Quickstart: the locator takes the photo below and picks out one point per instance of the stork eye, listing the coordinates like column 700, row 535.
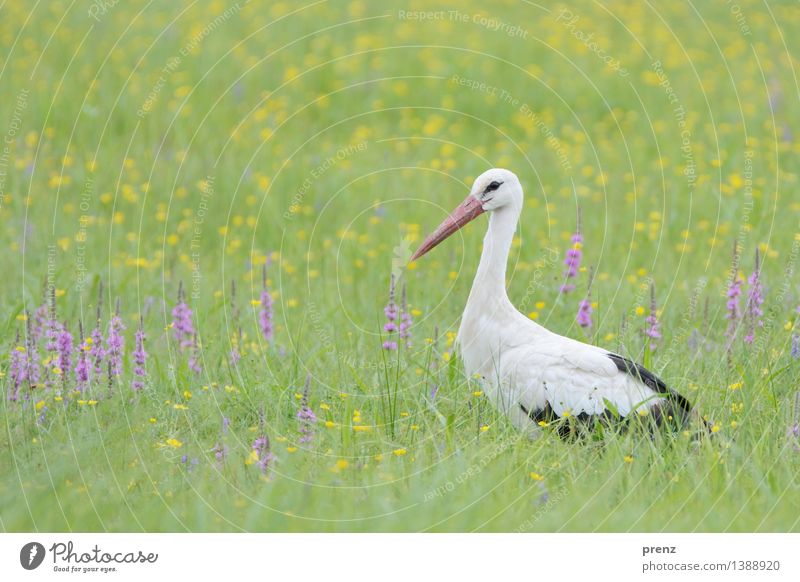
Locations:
column 492, row 187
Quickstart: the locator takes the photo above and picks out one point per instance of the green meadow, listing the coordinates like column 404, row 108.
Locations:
column 276, row 164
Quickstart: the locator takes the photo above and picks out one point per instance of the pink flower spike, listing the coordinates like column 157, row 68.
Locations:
column 391, row 313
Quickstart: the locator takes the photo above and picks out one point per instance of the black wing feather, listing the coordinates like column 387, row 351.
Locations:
column 675, row 409
column 565, row 431
column 679, row 407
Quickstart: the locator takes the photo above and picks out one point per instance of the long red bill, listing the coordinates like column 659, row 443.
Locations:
column 465, row 212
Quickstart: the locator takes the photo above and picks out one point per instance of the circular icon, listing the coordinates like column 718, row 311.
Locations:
column 31, row 555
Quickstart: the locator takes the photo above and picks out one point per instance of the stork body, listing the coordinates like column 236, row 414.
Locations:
column 530, row 373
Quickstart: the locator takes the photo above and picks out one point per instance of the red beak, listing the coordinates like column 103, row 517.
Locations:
column 465, row 212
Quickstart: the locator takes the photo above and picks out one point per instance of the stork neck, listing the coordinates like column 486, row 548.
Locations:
column 490, row 281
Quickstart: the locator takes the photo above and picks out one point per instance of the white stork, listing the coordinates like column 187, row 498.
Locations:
column 531, row 374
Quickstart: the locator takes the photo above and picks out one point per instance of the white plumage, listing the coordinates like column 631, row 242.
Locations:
column 529, row 373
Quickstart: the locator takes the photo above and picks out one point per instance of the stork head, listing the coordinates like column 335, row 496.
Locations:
column 493, row 190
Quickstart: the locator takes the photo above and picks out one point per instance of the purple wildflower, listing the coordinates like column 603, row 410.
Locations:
column 390, row 311
column 97, row 352
column 545, row 494
column 755, row 298
column 265, row 313
column 115, row 342
column 734, row 292
column 732, row 306
column 182, row 326
column 264, row 455
column 235, row 356
column 40, row 321
column 795, row 346
column 220, row 452
column 82, row 367
column 190, row 463
column 110, row 376
column 653, row 330
column 307, row 420
column 572, row 262
column 31, row 359
column 17, row 368
column 42, row 416
column 584, row 315
column 305, row 416
column 51, row 334
column 139, row 359
column 194, row 356
column 405, row 320
column 52, row 327
column 65, row 346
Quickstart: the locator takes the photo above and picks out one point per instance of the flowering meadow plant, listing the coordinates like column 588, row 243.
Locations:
column 210, row 319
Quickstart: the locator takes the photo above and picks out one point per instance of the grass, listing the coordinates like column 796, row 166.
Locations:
column 166, row 144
